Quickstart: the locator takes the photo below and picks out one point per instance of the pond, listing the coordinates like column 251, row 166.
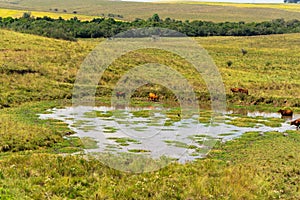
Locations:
column 157, row 132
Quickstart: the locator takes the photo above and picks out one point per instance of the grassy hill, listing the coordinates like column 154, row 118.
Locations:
column 217, row 12
column 36, row 68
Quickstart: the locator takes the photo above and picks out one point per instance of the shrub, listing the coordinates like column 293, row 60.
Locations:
column 229, row 63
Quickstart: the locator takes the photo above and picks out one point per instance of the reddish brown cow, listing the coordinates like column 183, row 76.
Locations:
column 234, row 90
column 243, row 91
column 286, row 112
column 296, row 123
column 120, row 94
column 239, row 90
column 153, row 97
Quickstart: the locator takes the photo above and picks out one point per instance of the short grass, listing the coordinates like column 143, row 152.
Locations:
column 268, row 70
column 252, row 167
column 21, row 130
column 255, row 121
column 19, row 13
column 269, row 67
column 53, row 65
column 280, row 6
column 218, row 12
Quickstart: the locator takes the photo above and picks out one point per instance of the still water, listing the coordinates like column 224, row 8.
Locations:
column 155, row 133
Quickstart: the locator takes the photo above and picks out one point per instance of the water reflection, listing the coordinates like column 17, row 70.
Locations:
column 157, row 132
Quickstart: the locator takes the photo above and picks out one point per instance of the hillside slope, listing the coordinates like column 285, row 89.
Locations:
column 176, row 10
column 36, row 68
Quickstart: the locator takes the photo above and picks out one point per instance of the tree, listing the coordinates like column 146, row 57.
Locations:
column 155, row 18
column 291, row 1
column 26, row 15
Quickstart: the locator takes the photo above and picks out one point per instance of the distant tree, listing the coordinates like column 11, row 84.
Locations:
column 46, row 18
column 155, row 18
column 102, row 27
column 97, row 20
column 26, row 15
column 111, row 15
column 291, row 1
column 75, row 19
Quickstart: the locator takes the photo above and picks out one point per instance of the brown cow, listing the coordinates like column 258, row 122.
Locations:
column 286, row 112
column 243, row 91
column 120, row 94
column 234, row 90
column 153, row 97
column 296, row 123
column 239, row 90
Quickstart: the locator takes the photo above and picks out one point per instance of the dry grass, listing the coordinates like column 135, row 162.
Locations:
column 19, row 13
column 218, row 12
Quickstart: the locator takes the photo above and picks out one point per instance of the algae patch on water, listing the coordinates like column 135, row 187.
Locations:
column 89, row 143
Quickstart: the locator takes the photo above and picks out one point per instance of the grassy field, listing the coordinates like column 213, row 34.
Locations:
column 283, row 6
column 218, row 12
column 38, row 73
column 268, row 70
column 19, row 13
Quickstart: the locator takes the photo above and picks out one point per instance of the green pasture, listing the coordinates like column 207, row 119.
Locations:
column 35, row 68
column 38, row 73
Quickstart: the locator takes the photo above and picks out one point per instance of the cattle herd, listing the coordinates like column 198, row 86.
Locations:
column 289, row 113
column 284, row 112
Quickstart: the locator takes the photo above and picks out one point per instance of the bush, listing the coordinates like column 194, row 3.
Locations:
column 229, row 63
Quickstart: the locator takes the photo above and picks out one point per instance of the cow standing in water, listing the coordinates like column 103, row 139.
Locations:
column 296, row 123
column 239, row 90
column 153, row 97
column 286, row 112
column 120, row 94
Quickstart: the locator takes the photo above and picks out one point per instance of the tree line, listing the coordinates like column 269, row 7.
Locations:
column 70, row 29
column 291, row 1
